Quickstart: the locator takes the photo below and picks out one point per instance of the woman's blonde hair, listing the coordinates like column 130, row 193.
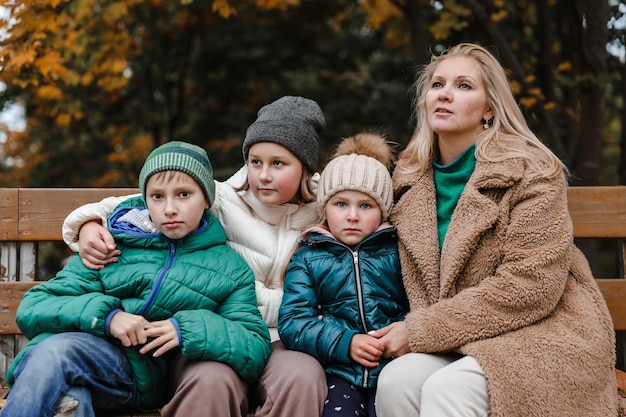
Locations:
column 507, row 127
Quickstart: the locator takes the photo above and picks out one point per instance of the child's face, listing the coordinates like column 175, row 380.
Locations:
column 352, row 216
column 274, row 173
column 176, row 203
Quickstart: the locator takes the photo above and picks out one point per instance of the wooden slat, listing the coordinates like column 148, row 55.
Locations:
column 598, row 212
column 42, row 210
column 614, row 292
column 8, row 213
column 10, row 296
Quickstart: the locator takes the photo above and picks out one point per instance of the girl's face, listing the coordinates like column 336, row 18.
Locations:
column 456, row 102
column 352, row 216
column 176, row 203
column 274, row 173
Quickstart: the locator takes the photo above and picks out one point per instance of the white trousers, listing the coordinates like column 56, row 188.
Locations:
column 432, row 385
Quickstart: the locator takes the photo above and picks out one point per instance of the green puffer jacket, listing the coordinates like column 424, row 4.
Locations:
column 205, row 287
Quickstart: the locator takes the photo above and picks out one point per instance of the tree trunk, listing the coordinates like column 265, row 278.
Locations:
column 622, row 163
column 593, row 16
column 415, row 11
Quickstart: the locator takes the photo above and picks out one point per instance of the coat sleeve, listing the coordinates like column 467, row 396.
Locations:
column 234, row 333
column 299, row 326
column 88, row 212
column 71, row 301
column 529, row 271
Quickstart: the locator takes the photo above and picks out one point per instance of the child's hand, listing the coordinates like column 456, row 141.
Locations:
column 96, row 246
column 165, row 337
column 366, row 350
column 128, row 328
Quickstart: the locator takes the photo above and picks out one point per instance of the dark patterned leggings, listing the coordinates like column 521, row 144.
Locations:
column 347, row 400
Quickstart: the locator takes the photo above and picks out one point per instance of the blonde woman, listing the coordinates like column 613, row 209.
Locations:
column 506, row 319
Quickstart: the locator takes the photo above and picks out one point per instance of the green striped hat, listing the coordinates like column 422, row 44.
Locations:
column 183, row 157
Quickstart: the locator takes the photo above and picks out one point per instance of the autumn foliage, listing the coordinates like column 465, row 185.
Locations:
column 105, row 81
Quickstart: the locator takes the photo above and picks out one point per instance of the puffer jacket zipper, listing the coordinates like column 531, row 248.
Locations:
column 160, row 278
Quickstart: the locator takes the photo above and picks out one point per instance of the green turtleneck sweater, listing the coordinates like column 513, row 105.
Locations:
column 450, row 182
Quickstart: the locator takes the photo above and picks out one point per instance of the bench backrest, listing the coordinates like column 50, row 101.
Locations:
column 600, row 213
column 32, row 215
column 29, row 216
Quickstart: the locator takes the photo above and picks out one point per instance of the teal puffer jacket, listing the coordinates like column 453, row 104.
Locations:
column 205, row 287
column 333, row 292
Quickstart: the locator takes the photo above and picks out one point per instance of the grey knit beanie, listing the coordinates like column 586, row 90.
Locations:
column 359, row 172
column 183, row 157
column 292, row 122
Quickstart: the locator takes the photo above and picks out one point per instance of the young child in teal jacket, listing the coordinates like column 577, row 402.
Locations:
column 344, row 280
column 103, row 339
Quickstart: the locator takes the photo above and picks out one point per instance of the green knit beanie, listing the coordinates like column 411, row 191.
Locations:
column 183, row 157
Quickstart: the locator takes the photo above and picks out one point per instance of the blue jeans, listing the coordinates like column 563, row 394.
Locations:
column 79, row 365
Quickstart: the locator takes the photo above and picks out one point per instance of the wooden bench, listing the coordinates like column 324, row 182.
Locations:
column 29, row 216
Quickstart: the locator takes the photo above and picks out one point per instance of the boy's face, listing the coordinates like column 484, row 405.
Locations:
column 352, row 216
column 274, row 173
column 176, row 203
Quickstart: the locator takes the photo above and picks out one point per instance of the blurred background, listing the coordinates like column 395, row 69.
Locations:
column 89, row 87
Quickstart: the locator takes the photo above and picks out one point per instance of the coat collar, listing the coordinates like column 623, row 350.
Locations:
column 415, row 217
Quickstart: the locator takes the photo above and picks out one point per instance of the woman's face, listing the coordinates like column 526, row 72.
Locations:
column 456, row 103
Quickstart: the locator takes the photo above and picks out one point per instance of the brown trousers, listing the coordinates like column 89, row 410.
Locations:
column 293, row 384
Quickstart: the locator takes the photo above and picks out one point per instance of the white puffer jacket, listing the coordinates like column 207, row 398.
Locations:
column 263, row 235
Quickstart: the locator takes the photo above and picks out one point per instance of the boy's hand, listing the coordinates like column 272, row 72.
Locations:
column 96, row 246
column 128, row 328
column 165, row 337
column 366, row 350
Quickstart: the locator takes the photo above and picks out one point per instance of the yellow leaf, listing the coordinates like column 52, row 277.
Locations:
column 535, row 92
column 63, row 120
column 21, row 59
column 499, row 15
column 224, row 8
column 528, row 102
column 564, row 66
column 516, row 87
column 73, row 78
column 277, row 4
column 49, row 92
column 50, row 65
column 86, row 78
column 116, row 11
column 118, row 65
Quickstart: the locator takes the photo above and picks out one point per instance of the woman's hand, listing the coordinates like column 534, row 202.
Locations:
column 395, row 338
column 96, row 246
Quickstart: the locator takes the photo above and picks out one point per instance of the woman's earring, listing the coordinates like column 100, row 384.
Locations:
column 486, row 125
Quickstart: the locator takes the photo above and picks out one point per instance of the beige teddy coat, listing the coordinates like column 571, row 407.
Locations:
column 509, row 289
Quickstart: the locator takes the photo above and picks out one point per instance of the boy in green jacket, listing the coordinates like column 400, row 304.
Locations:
column 104, row 339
